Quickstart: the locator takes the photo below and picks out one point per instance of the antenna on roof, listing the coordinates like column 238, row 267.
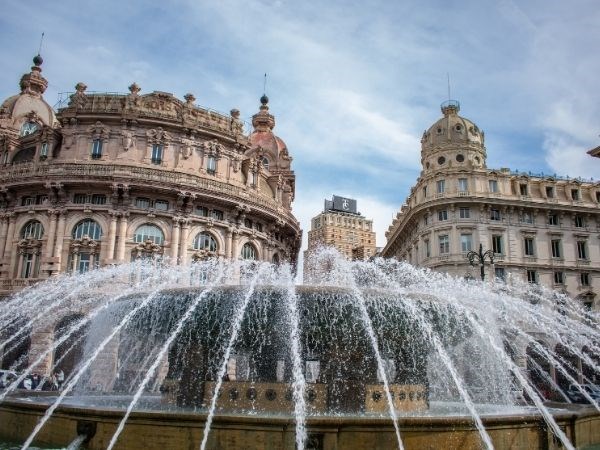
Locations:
column 449, row 96
column 41, row 41
column 265, row 85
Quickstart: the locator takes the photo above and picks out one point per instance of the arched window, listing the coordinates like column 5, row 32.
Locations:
column 248, row 251
column 28, row 128
column 149, row 232
column 32, row 230
column 89, row 228
column 275, row 259
column 265, row 162
column 205, row 241
column 25, row 155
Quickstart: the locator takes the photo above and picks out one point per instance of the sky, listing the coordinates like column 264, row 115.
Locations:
column 352, row 84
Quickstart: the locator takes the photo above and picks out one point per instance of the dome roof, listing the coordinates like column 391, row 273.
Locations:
column 263, row 136
column 29, row 104
column 452, row 128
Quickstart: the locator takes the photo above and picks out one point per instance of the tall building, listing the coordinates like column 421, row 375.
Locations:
column 340, row 225
column 544, row 229
column 108, row 178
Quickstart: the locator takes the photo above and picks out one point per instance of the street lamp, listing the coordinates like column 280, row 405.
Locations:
column 480, row 258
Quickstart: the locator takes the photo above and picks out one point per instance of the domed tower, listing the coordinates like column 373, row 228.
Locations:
column 271, row 154
column 452, row 141
column 27, row 112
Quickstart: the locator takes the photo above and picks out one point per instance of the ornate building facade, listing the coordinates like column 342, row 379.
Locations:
column 544, row 229
column 340, row 225
column 108, row 178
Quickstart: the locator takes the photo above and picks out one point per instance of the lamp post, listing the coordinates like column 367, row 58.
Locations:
column 480, row 257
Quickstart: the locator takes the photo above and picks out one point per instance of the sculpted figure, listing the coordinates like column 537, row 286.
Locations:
column 128, row 140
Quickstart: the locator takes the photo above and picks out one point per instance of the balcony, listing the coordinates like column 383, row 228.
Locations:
column 147, row 175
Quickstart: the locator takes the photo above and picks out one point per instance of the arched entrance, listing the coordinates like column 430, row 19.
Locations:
column 69, row 354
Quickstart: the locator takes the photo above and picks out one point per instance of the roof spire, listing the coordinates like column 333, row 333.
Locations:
column 263, row 120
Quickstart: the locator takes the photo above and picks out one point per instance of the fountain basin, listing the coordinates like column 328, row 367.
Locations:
column 150, row 430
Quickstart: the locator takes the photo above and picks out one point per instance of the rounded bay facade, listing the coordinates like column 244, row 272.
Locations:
column 113, row 177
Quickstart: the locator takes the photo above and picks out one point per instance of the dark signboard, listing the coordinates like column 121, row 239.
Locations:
column 344, row 204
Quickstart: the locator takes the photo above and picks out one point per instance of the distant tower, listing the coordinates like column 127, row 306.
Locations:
column 340, row 225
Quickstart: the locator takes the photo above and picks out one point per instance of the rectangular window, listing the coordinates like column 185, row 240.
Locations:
column 527, row 217
column 142, row 202
column 463, row 185
column 211, row 165
column 442, row 215
column 579, row 223
column 532, row 276
column 575, row 194
column 464, row 213
column 493, row 184
column 529, row 248
column 201, row 211
column 98, row 199
column 553, row 219
column 598, row 196
column 84, row 263
column 157, row 154
column 495, row 214
column 441, row 186
column 161, row 205
column 44, row 150
column 26, row 201
column 444, row 244
column 549, row 191
column 497, row 244
column 555, row 246
column 80, row 198
column 500, row 273
column 465, row 242
column 216, row 214
column 584, row 279
column 582, row 250
column 559, row 278
column 426, row 219
column 247, row 223
column 27, row 270
column 523, row 189
column 258, row 226
column 425, row 192
column 96, row 149
column 41, row 199
column 427, row 249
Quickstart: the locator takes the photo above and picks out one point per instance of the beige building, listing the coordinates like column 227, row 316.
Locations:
column 108, row 178
column 340, row 225
column 543, row 229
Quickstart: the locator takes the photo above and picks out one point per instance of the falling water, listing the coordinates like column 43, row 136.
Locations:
column 299, row 382
column 71, row 384
column 235, row 328
column 161, row 355
column 372, row 310
column 380, row 367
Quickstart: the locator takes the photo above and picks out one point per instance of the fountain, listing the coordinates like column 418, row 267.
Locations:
column 232, row 355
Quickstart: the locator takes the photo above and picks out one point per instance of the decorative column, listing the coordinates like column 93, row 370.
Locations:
column 60, row 237
column 51, row 233
column 183, row 245
column 3, row 230
column 112, row 237
column 20, row 255
column 175, row 241
column 234, row 245
column 9, row 234
column 229, row 243
column 122, row 237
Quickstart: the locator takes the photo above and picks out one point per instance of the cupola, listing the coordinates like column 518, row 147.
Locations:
column 452, row 141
